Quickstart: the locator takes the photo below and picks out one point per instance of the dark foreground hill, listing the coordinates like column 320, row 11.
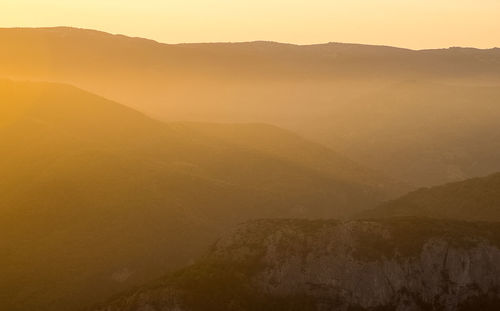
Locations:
column 96, row 197
column 469, row 200
column 392, row 264
column 425, row 117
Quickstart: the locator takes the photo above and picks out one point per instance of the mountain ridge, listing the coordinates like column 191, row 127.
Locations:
column 70, row 28
column 318, row 91
column 86, row 183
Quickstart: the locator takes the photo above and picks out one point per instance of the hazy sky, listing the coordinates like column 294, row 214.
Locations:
column 406, row 23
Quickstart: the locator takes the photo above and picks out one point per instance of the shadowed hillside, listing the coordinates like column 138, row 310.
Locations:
column 288, row 146
column 97, row 197
column 395, row 110
column 475, row 199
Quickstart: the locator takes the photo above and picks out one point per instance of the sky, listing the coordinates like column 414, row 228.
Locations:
column 416, row 24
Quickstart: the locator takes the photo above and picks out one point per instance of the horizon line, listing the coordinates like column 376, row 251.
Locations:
column 249, row 41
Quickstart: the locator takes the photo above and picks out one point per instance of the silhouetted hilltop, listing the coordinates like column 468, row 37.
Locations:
column 245, row 58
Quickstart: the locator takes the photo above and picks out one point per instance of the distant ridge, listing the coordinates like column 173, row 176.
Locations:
column 337, row 43
column 355, row 99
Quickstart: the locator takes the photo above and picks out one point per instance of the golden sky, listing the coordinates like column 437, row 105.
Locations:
column 406, row 23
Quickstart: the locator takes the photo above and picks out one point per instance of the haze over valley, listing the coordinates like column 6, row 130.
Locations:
column 143, row 176
column 369, row 103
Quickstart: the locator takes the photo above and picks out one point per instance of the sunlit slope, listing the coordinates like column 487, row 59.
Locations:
column 470, row 200
column 96, row 197
column 354, row 98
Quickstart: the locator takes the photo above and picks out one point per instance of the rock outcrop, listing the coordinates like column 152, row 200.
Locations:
column 392, row 264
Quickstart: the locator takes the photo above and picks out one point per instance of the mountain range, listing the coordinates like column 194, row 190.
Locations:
column 330, row 176
column 425, row 117
column 109, row 198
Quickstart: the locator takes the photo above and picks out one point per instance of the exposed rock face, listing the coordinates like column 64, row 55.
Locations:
column 394, row 264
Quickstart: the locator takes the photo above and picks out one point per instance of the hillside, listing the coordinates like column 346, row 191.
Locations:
column 475, row 199
column 395, row 264
column 289, row 146
column 424, row 132
column 97, row 197
column 392, row 109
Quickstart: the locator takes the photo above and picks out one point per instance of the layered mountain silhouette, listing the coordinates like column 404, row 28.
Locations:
column 475, row 199
column 133, row 157
column 97, row 197
column 392, row 109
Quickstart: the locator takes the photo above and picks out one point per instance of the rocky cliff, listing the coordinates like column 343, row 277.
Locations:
column 391, row 264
